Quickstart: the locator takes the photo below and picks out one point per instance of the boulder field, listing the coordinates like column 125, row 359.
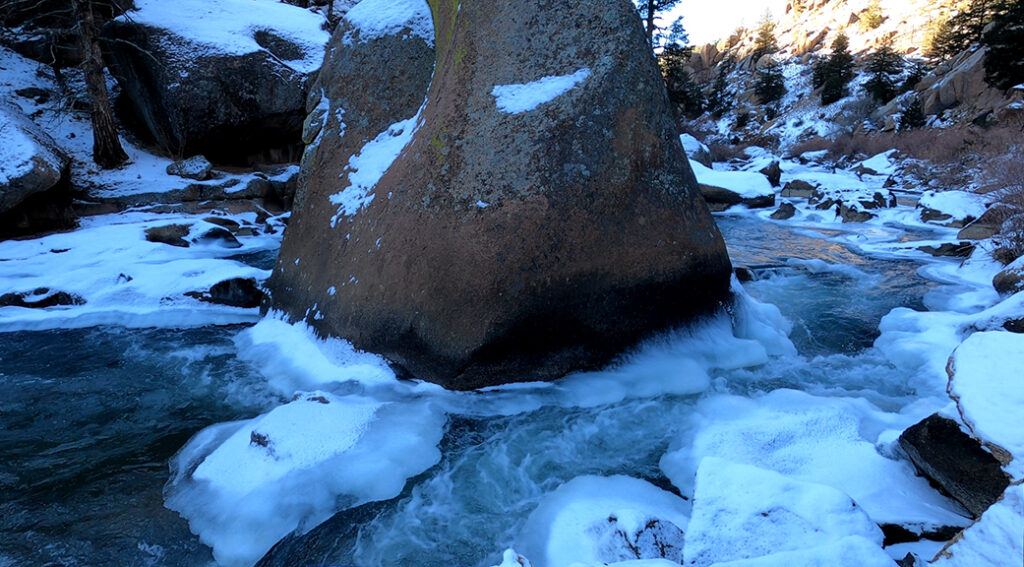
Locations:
column 495, row 193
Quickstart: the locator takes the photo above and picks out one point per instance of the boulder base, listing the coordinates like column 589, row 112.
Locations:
column 539, row 216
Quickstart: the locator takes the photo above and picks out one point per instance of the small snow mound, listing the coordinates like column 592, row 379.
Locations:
column 517, row 98
column 881, row 164
column 245, row 485
column 994, row 540
column 379, row 18
column 598, row 520
column 960, row 205
column 743, row 512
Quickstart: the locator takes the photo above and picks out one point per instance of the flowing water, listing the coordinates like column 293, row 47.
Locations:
column 89, row 419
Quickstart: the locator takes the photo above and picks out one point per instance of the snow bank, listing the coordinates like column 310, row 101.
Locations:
column 694, row 147
column 994, row 540
column 292, row 357
column 743, row 512
column 365, row 168
column 380, row 18
column 746, row 184
column 230, row 26
column 829, row 441
column 987, row 381
column 881, row 164
column 125, row 279
column 597, row 520
column 245, row 485
column 516, row 98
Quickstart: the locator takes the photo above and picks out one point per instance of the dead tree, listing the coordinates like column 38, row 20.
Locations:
column 106, row 145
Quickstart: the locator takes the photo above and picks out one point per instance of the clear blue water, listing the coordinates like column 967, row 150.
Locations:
column 89, row 419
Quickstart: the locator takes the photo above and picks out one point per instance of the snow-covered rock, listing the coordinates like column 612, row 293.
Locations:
column 245, row 485
column 723, row 189
column 742, row 512
column 830, row 441
column 987, row 383
column 597, row 520
column 30, row 161
column 952, row 208
column 224, row 79
column 696, row 150
column 853, row 551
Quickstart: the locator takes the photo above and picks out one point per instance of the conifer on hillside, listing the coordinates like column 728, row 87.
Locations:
column 1004, row 64
column 885, row 67
column 682, row 90
column 833, row 73
column 912, row 116
column 764, row 41
column 770, row 85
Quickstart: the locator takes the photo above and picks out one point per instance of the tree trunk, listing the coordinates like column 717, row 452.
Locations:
column 650, row 22
column 106, row 146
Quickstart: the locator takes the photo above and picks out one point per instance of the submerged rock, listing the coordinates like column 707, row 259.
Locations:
column 535, row 217
column 40, row 299
column 955, row 462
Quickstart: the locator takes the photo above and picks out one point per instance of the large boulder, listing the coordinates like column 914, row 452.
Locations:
column 33, row 177
column 536, row 216
column 225, row 79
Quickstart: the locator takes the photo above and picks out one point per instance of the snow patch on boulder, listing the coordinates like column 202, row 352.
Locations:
column 517, row 98
column 374, row 19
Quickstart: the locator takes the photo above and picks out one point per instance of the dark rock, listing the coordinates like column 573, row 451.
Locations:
column 195, row 167
column 720, row 199
column 955, row 462
column 40, row 299
column 224, row 222
column 1014, row 325
column 851, row 214
column 890, row 182
column 950, row 250
column 236, row 292
column 172, row 234
column 895, row 534
column 909, row 560
column 232, row 108
column 774, row 173
column 218, row 237
column 744, row 274
column 987, row 225
column 503, row 247
column 798, row 189
column 785, row 211
column 1009, row 281
column 40, row 96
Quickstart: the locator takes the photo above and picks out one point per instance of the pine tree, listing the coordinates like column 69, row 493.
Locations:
column 1004, row 64
column 912, row 116
column 719, row 98
column 649, row 11
column 764, row 41
column 948, row 36
column 682, row 90
column 106, row 148
column 872, row 17
column 885, row 66
column 834, row 73
column 770, row 84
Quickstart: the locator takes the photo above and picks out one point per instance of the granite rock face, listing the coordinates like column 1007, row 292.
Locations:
column 534, row 216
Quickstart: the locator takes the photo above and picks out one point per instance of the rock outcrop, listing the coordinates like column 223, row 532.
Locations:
column 534, row 217
column 34, row 192
column 232, row 89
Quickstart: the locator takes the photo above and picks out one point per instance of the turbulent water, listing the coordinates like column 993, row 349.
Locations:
column 89, row 419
